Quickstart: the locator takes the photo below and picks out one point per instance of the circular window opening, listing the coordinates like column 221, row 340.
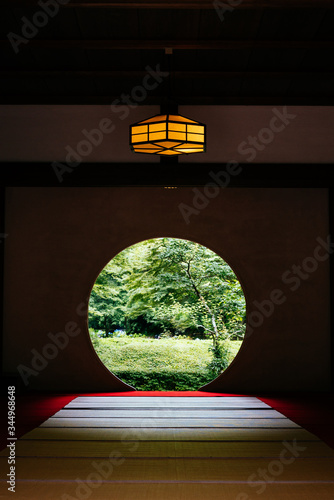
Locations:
column 167, row 314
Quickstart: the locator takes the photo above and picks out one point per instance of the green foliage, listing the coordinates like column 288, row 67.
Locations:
column 166, row 364
column 174, row 289
column 107, row 304
column 164, row 380
column 150, row 354
column 95, row 339
column 168, row 284
column 221, row 358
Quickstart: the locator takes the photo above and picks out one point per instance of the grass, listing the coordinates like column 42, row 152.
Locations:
column 159, row 364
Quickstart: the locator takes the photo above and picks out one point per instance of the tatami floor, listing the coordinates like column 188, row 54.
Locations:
column 180, row 448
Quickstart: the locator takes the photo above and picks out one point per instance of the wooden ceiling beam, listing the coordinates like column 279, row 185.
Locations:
column 180, row 4
column 175, row 44
column 312, row 75
column 183, row 100
column 160, row 175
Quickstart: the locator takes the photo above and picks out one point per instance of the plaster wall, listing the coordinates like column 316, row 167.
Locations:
column 47, row 133
column 59, row 239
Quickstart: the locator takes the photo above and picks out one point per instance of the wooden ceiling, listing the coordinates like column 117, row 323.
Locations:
column 257, row 52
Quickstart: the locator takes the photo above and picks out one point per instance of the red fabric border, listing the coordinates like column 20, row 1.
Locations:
column 313, row 412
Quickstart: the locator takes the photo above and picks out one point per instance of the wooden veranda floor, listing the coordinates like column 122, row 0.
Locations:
column 135, row 448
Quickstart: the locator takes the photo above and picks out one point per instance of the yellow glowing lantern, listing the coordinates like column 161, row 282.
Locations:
column 167, row 135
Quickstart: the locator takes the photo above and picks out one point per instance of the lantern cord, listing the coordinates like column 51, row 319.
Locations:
column 169, row 106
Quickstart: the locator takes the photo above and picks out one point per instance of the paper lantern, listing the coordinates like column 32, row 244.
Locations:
column 167, row 135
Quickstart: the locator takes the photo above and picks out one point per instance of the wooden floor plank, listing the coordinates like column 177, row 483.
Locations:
column 170, row 434
column 163, row 449
column 161, row 422
column 122, row 469
column 167, row 413
column 171, row 491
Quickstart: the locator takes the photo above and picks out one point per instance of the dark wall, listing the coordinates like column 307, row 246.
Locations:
column 59, row 239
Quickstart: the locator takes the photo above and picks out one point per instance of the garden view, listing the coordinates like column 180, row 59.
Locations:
column 167, row 314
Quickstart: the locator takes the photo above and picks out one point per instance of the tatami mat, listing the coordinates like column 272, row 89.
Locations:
column 166, row 449
column 130, row 448
column 176, row 491
column 169, row 434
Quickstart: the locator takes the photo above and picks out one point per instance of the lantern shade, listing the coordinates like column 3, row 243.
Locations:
column 168, row 135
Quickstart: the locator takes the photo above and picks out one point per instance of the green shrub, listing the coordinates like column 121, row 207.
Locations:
column 163, row 364
column 95, row 340
column 221, row 359
column 165, row 380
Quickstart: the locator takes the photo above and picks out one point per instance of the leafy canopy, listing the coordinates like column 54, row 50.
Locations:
column 171, row 286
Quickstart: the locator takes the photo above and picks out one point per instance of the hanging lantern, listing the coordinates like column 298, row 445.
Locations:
column 167, row 135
